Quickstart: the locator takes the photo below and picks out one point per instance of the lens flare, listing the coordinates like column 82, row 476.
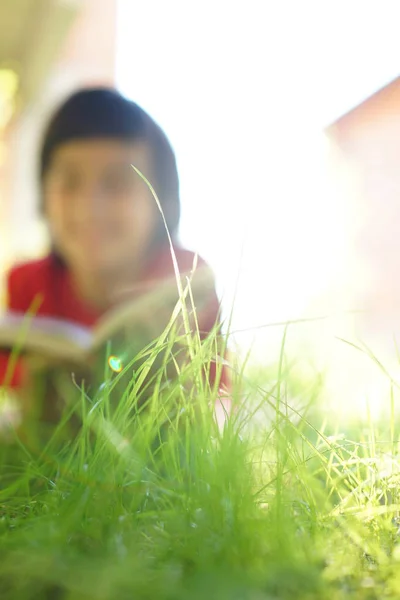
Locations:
column 115, row 364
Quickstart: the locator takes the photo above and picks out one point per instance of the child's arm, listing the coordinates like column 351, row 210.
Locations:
column 13, row 375
column 13, row 371
column 209, row 319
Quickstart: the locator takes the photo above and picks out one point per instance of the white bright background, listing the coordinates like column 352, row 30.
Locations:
column 244, row 90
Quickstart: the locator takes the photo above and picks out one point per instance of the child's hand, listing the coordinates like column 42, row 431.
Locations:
column 12, row 374
column 10, row 414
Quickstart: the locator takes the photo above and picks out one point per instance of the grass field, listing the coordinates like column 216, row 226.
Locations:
column 162, row 503
column 159, row 501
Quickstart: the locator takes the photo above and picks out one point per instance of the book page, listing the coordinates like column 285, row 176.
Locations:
column 155, row 307
column 45, row 336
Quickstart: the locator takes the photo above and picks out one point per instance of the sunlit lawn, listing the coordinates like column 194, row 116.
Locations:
column 162, row 503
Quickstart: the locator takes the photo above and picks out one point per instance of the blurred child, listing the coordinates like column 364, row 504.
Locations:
column 107, row 234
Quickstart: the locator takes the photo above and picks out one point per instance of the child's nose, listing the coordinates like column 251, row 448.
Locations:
column 90, row 202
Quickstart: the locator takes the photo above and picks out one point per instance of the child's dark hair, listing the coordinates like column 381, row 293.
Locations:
column 104, row 113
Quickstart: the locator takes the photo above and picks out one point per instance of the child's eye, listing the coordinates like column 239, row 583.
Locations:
column 65, row 182
column 119, row 183
column 70, row 184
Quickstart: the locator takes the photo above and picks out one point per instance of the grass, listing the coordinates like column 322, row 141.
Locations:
column 154, row 500
column 162, row 503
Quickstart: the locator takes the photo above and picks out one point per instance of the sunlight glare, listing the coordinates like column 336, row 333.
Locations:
column 245, row 101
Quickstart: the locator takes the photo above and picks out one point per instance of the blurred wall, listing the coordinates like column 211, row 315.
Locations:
column 368, row 144
column 365, row 166
column 87, row 56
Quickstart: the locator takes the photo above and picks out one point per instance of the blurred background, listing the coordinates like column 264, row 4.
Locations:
column 285, row 117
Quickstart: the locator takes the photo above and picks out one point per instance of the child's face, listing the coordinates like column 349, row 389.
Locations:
column 100, row 212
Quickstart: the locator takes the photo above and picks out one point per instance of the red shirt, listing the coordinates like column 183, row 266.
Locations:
column 51, row 281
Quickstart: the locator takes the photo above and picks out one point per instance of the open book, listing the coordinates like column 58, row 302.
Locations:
column 65, row 341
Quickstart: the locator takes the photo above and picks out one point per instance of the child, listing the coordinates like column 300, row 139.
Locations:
column 106, row 231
